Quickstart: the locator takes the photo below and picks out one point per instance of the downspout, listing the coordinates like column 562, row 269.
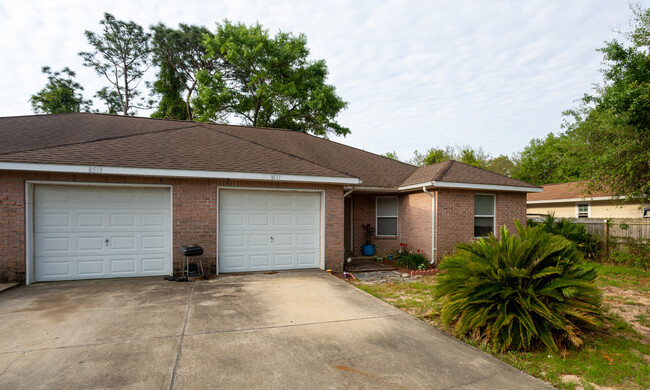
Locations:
column 433, row 224
column 345, row 261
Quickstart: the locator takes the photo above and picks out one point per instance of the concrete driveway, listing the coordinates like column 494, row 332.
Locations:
column 287, row 330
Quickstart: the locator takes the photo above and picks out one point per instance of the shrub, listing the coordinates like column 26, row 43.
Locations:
column 632, row 252
column 570, row 230
column 412, row 261
column 522, row 292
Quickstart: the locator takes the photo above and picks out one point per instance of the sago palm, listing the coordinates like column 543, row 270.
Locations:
column 521, row 291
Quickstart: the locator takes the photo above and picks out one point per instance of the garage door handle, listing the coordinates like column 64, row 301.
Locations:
column 271, row 238
column 106, row 242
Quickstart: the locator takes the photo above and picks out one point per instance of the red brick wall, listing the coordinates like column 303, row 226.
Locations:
column 455, row 216
column 194, row 214
column 12, row 228
column 454, row 219
column 413, row 223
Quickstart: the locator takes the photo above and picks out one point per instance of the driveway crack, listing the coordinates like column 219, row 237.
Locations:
column 10, row 364
column 180, row 344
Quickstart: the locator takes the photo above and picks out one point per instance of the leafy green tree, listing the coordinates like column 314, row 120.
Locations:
column 474, row 157
column 121, row 53
column 60, row 94
column 612, row 126
column 502, row 165
column 466, row 154
column 391, row 155
column 267, row 81
column 180, row 55
column 111, row 99
column 555, row 159
column 433, row 156
column 522, row 292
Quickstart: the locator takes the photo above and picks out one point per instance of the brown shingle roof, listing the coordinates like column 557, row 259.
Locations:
column 572, row 190
column 113, row 140
column 457, row 172
column 194, row 148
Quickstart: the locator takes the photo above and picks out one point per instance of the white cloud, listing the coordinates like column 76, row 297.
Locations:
column 416, row 73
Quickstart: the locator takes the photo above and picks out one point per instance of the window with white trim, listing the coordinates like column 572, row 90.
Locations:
column 386, row 207
column 483, row 215
column 582, row 210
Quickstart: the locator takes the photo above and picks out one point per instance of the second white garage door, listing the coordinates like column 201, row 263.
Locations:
column 268, row 230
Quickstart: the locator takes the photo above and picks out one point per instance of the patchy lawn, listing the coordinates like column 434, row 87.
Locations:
column 616, row 359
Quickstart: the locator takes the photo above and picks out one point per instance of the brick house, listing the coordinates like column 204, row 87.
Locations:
column 88, row 196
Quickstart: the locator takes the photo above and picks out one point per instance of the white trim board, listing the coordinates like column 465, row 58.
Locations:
column 185, row 173
column 469, row 186
column 569, row 200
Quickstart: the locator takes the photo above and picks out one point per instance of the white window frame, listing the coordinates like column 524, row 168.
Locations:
column 396, row 216
column 588, row 209
column 493, row 216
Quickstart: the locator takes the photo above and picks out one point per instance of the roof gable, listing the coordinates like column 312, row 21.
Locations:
column 451, row 171
column 570, row 191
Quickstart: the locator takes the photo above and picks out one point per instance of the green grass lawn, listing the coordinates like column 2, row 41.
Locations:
column 619, row 357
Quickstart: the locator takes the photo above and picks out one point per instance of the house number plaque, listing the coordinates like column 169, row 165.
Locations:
column 95, row 169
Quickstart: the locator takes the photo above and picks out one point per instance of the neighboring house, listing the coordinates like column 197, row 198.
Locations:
column 568, row 200
column 94, row 196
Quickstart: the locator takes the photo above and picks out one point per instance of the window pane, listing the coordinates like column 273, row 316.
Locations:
column 583, row 210
column 386, row 207
column 386, row 226
column 483, row 226
column 483, row 205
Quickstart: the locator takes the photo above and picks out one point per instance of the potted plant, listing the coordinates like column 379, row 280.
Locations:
column 368, row 249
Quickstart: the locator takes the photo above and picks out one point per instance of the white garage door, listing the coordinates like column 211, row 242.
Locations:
column 268, row 230
column 101, row 232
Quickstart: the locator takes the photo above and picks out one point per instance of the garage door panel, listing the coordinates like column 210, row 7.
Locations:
column 90, row 244
column 281, row 201
column 153, row 220
column 154, row 264
column 232, row 262
column 126, row 243
column 283, row 219
column 259, row 261
column 307, row 258
column 135, row 221
column 122, row 265
column 57, row 269
column 55, row 220
column 88, row 268
column 283, row 240
column 283, row 259
column 307, row 202
column 56, row 245
column 90, row 220
column 257, row 220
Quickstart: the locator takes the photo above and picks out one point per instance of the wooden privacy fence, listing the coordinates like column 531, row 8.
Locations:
column 618, row 232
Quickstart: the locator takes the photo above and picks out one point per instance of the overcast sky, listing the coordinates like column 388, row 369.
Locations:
column 491, row 74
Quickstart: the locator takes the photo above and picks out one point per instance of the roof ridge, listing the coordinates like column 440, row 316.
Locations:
column 494, row 173
column 98, row 140
column 444, row 170
column 309, row 135
column 280, row 151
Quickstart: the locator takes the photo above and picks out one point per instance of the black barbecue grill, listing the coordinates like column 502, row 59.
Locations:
column 192, row 270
